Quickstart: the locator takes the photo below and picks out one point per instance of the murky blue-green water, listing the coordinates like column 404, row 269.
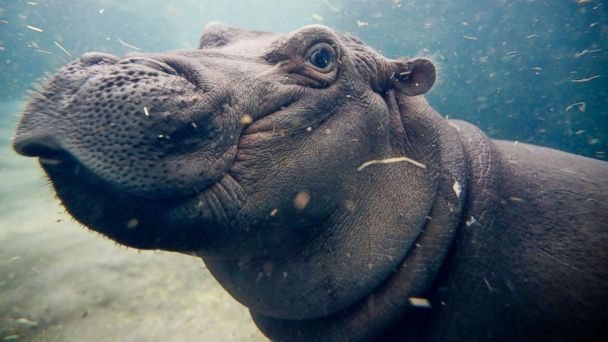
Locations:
column 533, row 71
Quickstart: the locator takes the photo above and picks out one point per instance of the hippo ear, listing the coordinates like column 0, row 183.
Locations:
column 413, row 77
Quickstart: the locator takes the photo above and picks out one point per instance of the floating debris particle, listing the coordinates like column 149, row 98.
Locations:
column 467, row 37
column 34, row 28
column 127, row 44
column 516, row 142
column 102, row 11
column 317, row 17
column 579, row 132
column 534, row 35
column 132, row 223
column 457, row 188
column 32, row 3
column 146, row 112
column 301, row 200
column 487, row 283
column 350, row 205
column 44, row 52
column 420, row 302
column 362, row 23
column 470, row 221
column 274, row 212
column 516, row 199
column 581, row 2
column 193, row 125
column 390, row 161
column 580, row 106
column 2, row 22
column 585, row 51
column 308, row 129
column 511, row 53
column 246, row 119
column 26, row 322
column 327, row 131
column 537, row 69
column 583, row 80
column 13, row 337
column 62, row 48
column 332, row 7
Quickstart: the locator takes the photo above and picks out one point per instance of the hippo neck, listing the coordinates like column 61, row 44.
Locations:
column 416, row 274
column 480, row 208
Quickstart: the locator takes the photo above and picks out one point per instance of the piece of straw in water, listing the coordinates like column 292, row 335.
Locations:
column 583, row 80
column 581, row 106
column 389, row 161
column 62, row 48
column 34, row 28
column 127, row 44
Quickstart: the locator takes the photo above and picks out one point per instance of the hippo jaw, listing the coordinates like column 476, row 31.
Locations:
column 246, row 153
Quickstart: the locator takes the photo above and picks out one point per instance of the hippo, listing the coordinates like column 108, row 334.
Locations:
column 324, row 193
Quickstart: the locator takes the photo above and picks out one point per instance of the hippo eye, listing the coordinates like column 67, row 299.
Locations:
column 322, row 57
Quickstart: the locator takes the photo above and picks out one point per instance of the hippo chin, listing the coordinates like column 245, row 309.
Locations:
column 324, row 193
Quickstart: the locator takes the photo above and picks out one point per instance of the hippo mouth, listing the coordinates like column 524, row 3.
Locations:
column 178, row 224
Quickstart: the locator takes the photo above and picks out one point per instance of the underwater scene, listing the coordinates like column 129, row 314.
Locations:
column 527, row 71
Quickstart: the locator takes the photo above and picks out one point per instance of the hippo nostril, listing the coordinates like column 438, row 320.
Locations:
column 151, row 63
column 42, row 146
column 94, row 58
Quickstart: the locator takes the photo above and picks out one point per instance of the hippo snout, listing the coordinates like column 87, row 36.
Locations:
column 134, row 122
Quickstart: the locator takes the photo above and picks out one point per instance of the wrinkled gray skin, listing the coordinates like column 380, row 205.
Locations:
column 156, row 151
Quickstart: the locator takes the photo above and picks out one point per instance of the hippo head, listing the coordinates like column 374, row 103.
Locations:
column 249, row 151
